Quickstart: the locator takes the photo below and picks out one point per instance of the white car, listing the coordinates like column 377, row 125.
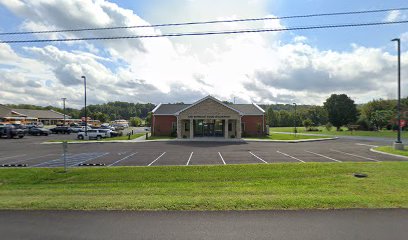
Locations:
column 93, row 134
column 80, row 129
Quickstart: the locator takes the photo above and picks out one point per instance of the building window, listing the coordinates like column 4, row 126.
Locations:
column 243, row 127
column 187, row 126
column 229, row 126
column 174, row 126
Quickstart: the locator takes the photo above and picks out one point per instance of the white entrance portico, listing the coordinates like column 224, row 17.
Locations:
column 209, row 117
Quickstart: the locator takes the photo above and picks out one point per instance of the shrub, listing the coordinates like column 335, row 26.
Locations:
column 232, row 136
column 329, row 127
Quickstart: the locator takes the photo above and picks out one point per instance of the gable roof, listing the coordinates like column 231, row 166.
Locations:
column 175, row 109
column 5, row 111
column 248, row 109
column 168, row 109
column 45, row 114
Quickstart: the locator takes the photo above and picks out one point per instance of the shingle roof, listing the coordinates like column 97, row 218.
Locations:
column 44, row 114
column 247, row 109
column 4, row 111
column 171, row 109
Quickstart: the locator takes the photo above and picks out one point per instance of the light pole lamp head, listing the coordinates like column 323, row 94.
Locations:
column 83, row 77
column 395, row 40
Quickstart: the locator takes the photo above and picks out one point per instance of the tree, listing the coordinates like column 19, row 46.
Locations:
column 381, row 118
column 307, row 123
column 318, row 115
column 148, row 121
column 135, row 121
column 341, row 110
column 368, row 109
column 271, row 117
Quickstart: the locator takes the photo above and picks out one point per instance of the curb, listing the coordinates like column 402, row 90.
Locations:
column 389, row 154
column 182, row 140
column 292, row 141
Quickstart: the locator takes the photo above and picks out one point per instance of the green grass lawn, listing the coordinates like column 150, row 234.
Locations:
column 134, row 136
column 390, row 149
column 230, row 187
column 282, row 136
column 383, row 133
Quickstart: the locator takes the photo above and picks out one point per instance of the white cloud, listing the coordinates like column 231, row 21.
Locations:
column 395, row 15
column 253, row 67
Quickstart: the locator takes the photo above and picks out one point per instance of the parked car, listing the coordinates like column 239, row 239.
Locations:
column 39, row 131
column 61, row 129
column 92, row 134
column 10, row 131
column 79, row 129
column 107, row 127
column 35, row 124
column 21, row 127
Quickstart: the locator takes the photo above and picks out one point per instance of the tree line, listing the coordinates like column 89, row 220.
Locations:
column 338, row 110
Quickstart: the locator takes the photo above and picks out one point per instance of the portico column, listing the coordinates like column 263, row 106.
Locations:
column 191, row 129
column 179, row 128
column 226, row 128
column 238, row 127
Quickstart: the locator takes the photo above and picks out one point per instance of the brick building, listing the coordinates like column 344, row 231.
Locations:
column 208, row 117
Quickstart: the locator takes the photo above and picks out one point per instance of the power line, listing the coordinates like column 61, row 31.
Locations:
column 208, row 32
column 209, row 22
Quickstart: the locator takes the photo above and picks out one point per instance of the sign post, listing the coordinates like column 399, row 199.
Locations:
column 65, row 148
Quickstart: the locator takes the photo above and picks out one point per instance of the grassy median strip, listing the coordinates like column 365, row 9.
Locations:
column 120, row 138
column 344, row 132
column 389, row 149
column 230, row 187
column 283, row 136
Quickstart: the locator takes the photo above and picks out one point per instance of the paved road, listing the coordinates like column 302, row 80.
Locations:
column 313, row 224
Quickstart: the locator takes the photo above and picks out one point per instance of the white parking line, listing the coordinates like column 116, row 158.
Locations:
column 4, row 158
column 368, row 145
column 287, row 155
column 92, row 158
column 157, row 158
column 128, row 156
column 371, row 159
column 258, row 157
column 222, row 158
column 189, row 158
column 321, row 155
column 35, row 157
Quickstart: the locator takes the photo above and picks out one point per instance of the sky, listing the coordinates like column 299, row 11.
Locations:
column 304, row 66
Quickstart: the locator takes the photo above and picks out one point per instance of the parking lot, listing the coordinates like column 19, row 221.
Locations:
column 34, row 154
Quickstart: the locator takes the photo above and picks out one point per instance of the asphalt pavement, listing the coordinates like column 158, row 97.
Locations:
column 358, row 224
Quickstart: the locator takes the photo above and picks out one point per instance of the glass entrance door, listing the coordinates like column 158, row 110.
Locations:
column 208, row 128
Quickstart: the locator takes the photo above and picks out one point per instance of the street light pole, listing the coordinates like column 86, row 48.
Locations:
column 86, row 117
column 398, row 144
column 295, row 120
column 63, row 99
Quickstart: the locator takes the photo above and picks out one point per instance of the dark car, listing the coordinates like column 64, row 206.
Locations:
column 20, row 126
column 61, row 129
column 11, row 131
column 39, row 131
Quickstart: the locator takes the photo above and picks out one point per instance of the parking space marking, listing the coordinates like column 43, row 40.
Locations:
column 222, row 158
column 157, row 158
column 368, row 145
column 287, row 155
column 4, row 158
column 371, row 159
column 128, row 156
column 258, row 157
column 321, row 155
column 189, row 158
column 86, row 160
column 35, row 157
column 72, row 160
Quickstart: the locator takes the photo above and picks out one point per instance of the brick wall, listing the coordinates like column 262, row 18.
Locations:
column 162, row 125
column 252, row 123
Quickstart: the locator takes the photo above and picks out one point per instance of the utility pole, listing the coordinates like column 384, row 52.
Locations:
column 398, row 144
column 295, row 120
column 63, row 100
column 86, row 117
